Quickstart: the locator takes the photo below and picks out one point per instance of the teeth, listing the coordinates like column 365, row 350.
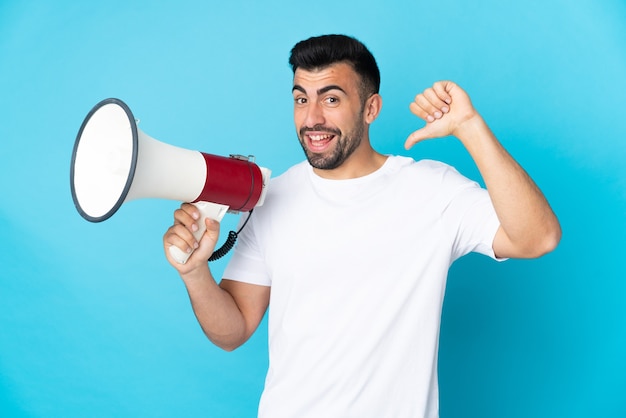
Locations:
column 319, row 137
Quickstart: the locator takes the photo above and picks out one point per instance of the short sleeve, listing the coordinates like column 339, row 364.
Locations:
column 472, row 220
column 247, row 264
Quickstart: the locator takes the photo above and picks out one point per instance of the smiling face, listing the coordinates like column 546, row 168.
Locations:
column 330, row 115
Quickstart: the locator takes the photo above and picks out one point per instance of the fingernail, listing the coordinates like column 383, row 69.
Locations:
column 447, row 101
column 438, row 115
column 445, row 109
column 429, row 118
column 195, row 245
column 194, row 227
column 195, row 215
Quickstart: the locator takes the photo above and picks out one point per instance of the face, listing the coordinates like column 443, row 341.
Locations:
column 328, row 114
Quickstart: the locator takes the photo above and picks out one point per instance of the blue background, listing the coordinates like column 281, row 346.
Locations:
column 94, row 322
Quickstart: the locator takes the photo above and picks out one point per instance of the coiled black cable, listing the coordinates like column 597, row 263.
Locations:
column 230, row 242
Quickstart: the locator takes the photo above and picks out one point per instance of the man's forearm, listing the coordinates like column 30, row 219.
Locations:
column 216, row 310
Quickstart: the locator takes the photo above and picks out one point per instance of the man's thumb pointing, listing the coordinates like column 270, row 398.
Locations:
column 416, row 137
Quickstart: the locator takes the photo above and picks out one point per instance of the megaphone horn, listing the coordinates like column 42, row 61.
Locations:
column 114, row 162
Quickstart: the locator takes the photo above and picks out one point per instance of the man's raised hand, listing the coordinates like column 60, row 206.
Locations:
column 445, row 107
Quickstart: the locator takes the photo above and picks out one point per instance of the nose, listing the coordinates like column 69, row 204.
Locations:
column 314, row 115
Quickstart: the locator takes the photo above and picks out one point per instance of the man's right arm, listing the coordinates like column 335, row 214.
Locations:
column 228, row 313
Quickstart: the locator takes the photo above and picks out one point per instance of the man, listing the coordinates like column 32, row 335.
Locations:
column 351, row 248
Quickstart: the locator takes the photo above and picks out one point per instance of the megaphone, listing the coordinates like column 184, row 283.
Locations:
column 114, row 162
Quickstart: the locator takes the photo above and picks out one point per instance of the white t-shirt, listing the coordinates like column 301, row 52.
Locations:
column 357, row 270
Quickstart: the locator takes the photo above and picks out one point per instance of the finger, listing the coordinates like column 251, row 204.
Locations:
column 188, row 216
column 437, row 102
column 421, row 108
column 187, row 209
column 442, row 89
column 429, row 106
column 212, row 229
column 417, row 136
column 208, row 240
column 191, row 210
column 181, row 237
column 426, row 105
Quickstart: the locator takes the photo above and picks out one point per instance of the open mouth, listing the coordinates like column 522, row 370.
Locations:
column 319, row 141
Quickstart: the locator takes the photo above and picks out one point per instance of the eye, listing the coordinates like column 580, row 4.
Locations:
column 331, row 100
column 300, row 100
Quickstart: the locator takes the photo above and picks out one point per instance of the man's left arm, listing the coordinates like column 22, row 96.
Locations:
column 528, row 226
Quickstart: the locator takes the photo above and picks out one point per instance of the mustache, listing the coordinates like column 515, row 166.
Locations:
column 319, row 128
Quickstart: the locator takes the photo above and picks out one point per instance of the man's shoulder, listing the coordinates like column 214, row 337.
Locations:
column 287, row 182
column 398, row 162
column 292, row 173
column 428, row 174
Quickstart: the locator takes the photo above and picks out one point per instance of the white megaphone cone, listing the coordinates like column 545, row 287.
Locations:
column 114, row 162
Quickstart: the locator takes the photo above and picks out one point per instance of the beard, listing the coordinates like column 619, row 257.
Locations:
column 344, row 147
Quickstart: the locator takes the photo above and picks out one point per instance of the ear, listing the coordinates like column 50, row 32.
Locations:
column 372, row 108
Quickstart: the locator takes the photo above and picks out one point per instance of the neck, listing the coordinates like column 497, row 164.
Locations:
column 362, row 162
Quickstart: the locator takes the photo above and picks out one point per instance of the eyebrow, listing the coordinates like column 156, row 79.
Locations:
column 320, row 91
